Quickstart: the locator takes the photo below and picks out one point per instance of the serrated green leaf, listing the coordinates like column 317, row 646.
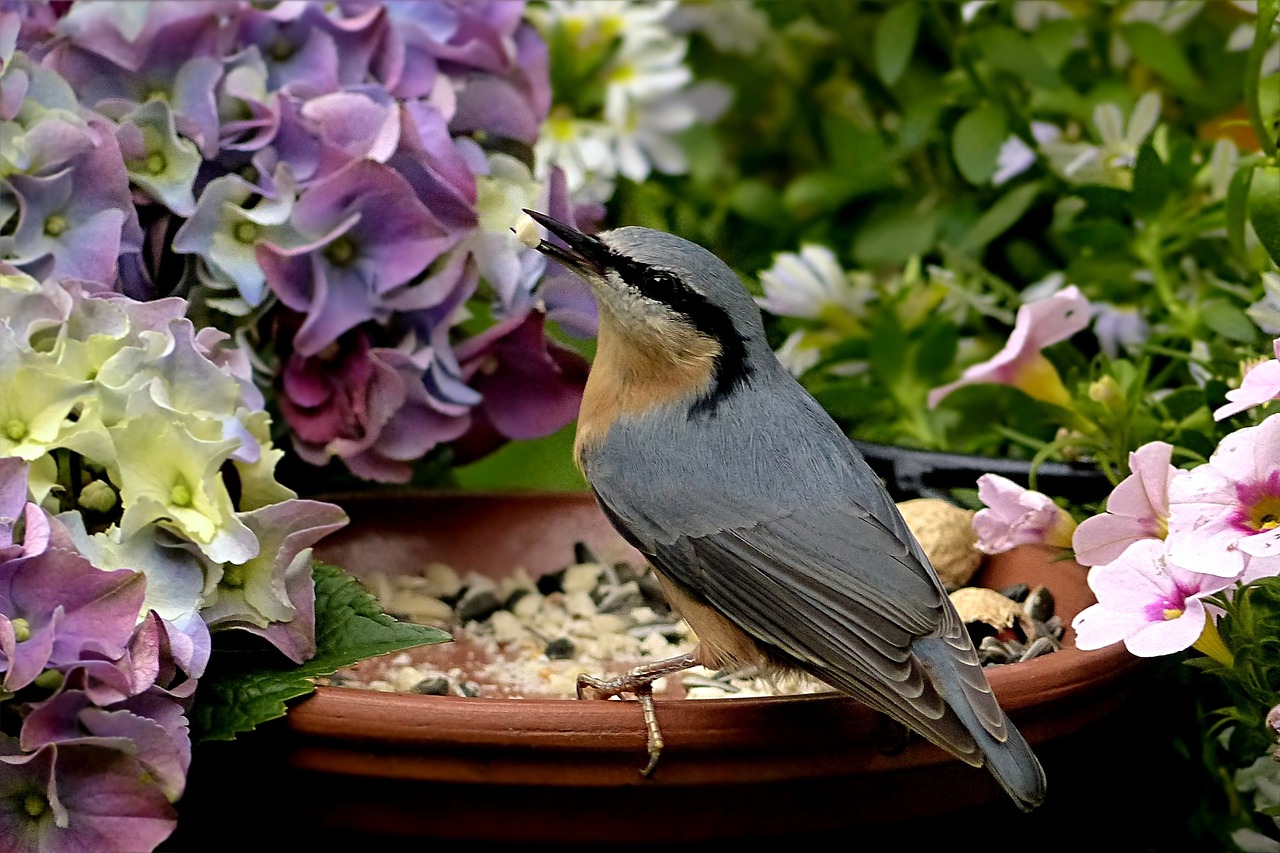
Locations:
column 976, row 142
column 1264, row 208
column 1000, row 217
column 245, row 687
column 896, row 40
column 1228, row 320
column 1150, row 180
column 1161, row 52
column 1237, row 209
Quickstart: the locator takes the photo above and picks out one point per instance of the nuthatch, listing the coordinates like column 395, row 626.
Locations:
column 770, row 534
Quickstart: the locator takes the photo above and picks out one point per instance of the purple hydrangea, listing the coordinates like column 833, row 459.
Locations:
column 310, row 160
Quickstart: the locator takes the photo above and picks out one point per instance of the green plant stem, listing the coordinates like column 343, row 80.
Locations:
column 1148, row 248
column 1267, row 12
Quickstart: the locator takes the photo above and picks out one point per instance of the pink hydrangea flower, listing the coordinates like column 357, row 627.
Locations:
column 1226, row 513
column 1021, row 363
column 1260, row 385
column 1137, row 509
column 1149, row 603
column 1016, row 516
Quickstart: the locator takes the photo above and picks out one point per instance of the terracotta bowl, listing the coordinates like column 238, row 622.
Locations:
column 558, row 770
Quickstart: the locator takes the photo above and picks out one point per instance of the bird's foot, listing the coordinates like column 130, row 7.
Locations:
column 639, row 683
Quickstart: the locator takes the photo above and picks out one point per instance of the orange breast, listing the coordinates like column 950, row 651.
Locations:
column 638, row 369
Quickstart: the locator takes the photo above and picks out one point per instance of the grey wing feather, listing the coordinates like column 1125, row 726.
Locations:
column 830, row 586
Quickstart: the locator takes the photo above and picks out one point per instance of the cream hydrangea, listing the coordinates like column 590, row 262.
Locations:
column 131, row 419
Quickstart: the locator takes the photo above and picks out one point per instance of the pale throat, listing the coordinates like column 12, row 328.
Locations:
column 639, row 366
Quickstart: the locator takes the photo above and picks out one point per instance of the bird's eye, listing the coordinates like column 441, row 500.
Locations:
column 664, row 281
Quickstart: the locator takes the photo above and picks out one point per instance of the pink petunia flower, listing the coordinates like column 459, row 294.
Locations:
column 1137, row 509
column 1149, row 603
column 1021, row 363
column 1226, row 513
column 1260, row 385
column 1016, row 516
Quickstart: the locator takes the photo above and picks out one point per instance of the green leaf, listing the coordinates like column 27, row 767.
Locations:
column 935, row 350
column 888, row 348
column 815, row 193
column 896, row 40
column 247, row 685
column 1264, row 208
column 1237, row 209
column 1150, row 180
column 1161, row 52
column 1009, row 50
column 756, row 201
column 1054, row 40
column 891, row 237
column 999, row 218
column 855, row 151
column 976, row 142
column 1228, row 320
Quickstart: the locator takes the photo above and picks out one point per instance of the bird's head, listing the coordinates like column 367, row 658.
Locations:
column 661, row 291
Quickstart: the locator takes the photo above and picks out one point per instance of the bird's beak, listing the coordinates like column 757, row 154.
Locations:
column 581, row 253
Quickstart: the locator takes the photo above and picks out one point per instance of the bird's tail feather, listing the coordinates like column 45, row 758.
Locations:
column 1007, row 754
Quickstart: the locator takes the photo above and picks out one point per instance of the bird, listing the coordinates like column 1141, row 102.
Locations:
column 769, row 533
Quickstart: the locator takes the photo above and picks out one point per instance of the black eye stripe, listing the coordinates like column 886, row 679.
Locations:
column 711, row 320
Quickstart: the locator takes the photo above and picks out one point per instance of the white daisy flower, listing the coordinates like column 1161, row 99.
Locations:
column 812, row 285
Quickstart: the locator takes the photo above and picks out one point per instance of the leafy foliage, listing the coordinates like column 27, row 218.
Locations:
column 887, row 132
column 244, row 687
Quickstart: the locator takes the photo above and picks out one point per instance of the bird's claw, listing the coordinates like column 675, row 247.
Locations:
column 638, row 682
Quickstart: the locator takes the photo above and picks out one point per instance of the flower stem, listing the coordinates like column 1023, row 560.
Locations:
column 1267, row 11
column 1148, row 249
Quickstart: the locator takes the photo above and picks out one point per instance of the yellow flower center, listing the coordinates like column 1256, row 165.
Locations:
column 623, row 73
column 246, row 232
column 1265, row 514
column 21, row 629
column 15, row 430
column 281, row 49
column 156, row 163
column 1038, row 378
column 1171, row 613
column 341, row 252
column 233, row 576
column 50, row 679
column 34, row 804
column 180, row 495
column 97, row 496
column 560, row 125
column 55, row 225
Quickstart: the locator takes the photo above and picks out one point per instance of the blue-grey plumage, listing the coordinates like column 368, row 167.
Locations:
column 771, row 535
